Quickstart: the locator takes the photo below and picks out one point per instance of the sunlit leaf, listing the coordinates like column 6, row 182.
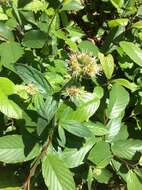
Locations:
column 126, row 148
column 119, row 99
column 107, row 64
column 56, row 173
column 133, row 51
column 133, row 181
column 13, row 149
column 71, row 5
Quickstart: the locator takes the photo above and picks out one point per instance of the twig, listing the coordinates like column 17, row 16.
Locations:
column 26, row 185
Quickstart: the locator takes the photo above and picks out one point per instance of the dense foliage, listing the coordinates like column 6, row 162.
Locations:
column 70, row 94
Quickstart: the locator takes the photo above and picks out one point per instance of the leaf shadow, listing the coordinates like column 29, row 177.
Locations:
column 29, row 141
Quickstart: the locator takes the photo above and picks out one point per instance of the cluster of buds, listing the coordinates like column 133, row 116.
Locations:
column 31, row 89
column 83, row 64
column 73, row 91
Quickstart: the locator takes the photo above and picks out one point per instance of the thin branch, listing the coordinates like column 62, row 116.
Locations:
column 26, row 185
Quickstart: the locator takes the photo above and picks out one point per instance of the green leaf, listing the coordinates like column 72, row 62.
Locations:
column 117, row 130
column 100, row 154
column 139, row 13
column 32, row 76
column 118, row 101
column 113, row 127
column 46, row 108
column 10, row 52
column 113, row 37
column 90, row 178
column 62, row 136
column 118, row 22
column 126, row 148
column 107, row 64
column 87, row 102
column 133, row 51
column 102, row 175
column 140, row 161
column 56, row 173
column 97, row 129
column 6, row 86
column 5, row 33
column 74, row 158
column 71, row 44
column 88, row 47
column 88, row 98
column 137, row 25
column 36, row 5
column 9, row 108
column 11, row 188
column 124, row 82
column 133, row 181
column 98, row 92
column 117, row 3
column 67, row 113
column 71, row 5
column 13, row 149
column 3, row 16
column 75, row 128
column 34, row 39
column 41, row 125
column 8, row 178
column 81, row 114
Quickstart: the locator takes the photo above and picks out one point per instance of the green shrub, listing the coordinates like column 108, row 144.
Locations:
column 70, row 94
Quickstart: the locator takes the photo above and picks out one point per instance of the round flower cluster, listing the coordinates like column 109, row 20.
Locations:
column 83, row 64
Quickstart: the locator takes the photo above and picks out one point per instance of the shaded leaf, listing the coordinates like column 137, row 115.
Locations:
column 75, row 128
column 90, row 178
column 74, row 158
column 8, row 178
column 5, row 33
column 45, row 108
column 34, row 39
column 32, row 76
